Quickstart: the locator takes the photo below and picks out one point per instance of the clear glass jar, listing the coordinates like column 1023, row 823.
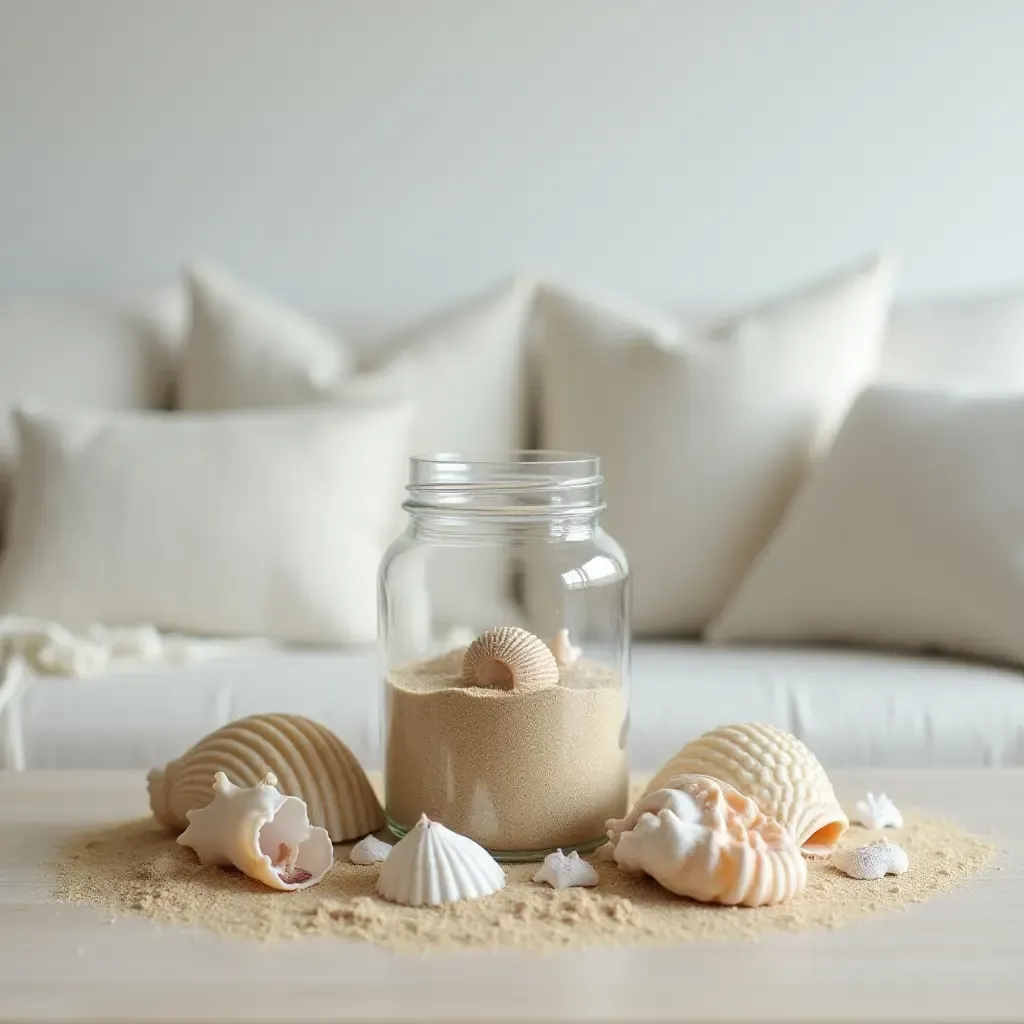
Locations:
column 533, row 758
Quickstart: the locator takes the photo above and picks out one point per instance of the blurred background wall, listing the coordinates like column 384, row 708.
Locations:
column 381, row 155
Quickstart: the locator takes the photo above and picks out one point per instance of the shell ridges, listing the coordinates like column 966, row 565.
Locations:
column 509, row 658
column 309, row 761
column 432, row 865
column 705, row 840
column 773, row 768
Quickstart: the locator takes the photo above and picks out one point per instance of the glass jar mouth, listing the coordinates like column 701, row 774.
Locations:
column 519, row 483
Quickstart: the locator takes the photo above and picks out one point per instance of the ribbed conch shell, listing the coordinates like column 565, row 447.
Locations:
column 309, row 761
column 261, row 832
column 774, row 769
column 433, row 865
column 509, row 658
column 705, row 840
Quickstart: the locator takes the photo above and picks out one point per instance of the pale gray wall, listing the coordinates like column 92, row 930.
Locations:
column 390, row 153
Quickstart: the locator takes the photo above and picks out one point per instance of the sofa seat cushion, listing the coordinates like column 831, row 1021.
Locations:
column 854, row 708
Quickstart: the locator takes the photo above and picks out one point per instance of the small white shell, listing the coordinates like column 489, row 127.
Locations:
column 705, row 840
column 871, row 862
column 777, row 772
column 562, row 872
column 261, row 832
column 431, row 865
column 878, row 812
column 370, row 850
column 563, row 650
column 509, row 658
column 309, row 761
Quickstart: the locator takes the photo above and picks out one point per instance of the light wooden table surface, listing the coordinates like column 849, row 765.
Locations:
column 960, row 957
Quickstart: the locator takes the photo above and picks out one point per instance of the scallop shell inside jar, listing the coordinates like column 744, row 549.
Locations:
column 515, row 737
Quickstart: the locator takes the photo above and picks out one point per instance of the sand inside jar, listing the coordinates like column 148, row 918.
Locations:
column 517, row 772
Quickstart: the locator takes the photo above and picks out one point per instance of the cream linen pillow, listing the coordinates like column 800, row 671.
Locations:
column 704, row 435
column 463, row 367
column 248, row 523
column 909, row 534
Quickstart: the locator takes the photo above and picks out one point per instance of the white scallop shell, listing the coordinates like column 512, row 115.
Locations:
column 878, row 812
column 563, row 649
column 261, row 832
column 774, row 769
column 705, row 840
column 562, row 872
column 370, row 850
column 433, row 865
column 871, row 862
column 309, row 761
column 509, row 658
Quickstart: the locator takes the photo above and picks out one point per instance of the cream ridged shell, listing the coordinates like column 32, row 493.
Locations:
column 705, row 840
column 509, row 658
column 774, row 769
column 433, row 865
column 310, row 762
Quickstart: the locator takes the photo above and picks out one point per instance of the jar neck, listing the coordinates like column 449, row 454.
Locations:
column 432, row 523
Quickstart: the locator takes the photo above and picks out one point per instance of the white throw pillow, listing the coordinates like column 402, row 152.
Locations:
column 99, row 353
column 264, row 523
column 464, row 367
column 970, row 344
column 909, row 534
column 704, row 434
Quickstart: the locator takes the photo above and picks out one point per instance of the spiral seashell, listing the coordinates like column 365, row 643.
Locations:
column 433, row 865
column 310, row 762
column 509, row 658
column 705, row 840
column 777, row 772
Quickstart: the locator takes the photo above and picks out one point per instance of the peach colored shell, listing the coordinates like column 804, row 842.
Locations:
column 309, row 761
column 774, row 769
column 705, row 840
column 509, row 658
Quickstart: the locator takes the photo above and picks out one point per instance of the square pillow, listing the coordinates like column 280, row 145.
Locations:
column 259, row 523
column 968, row 344
column 100, row 353
column 704, row 433
column 909, row 534
column 463, row 367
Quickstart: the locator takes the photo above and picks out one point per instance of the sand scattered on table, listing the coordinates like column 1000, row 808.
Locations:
column 136, row 867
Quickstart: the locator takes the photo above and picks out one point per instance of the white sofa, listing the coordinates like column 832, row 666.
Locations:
column 853, row 707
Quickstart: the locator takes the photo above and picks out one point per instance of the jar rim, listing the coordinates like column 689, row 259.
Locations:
column 513, row 457
column 525, row 482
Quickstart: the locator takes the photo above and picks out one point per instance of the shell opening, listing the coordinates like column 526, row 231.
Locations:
column 824, row 841
column 495, row 675
column 286, row 840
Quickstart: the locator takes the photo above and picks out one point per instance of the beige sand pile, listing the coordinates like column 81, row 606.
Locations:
column 552, row 761
column 137, row 867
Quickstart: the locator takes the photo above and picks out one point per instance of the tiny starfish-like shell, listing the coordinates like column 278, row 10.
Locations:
column 871, row 862
column 370, row 850
column 878, row 812
column 562, row 872
column 509, row 658
column 565, row 652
